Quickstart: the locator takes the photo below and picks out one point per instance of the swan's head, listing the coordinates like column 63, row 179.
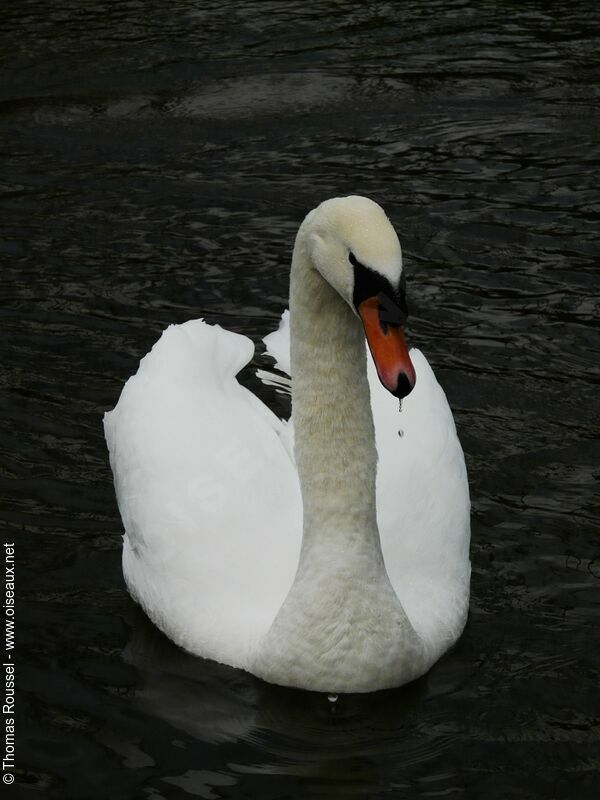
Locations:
column 353, row 245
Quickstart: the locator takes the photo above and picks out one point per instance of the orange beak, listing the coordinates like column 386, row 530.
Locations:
column 388, row 348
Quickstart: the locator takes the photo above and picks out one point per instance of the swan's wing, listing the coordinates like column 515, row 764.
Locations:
column 278, row 344
column 208, row 493
column 423, row 506
column 278, row 347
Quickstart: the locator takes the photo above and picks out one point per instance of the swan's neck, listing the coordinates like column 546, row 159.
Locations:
column 341, row 626
column 334, row 433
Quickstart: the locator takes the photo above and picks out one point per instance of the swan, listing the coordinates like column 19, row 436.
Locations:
column 329, row 552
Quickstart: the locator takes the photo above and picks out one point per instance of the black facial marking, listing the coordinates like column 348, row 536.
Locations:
column 392, row 303
column 389, row 311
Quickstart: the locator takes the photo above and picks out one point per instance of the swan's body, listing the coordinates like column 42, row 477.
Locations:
column 312, row 571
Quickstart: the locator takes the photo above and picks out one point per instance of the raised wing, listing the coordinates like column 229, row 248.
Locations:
column 208, row 493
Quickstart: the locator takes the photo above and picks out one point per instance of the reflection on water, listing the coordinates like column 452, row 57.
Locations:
column 278, row 731
column 158, row 160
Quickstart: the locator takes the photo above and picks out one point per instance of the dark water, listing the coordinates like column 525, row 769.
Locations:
column 156, row 161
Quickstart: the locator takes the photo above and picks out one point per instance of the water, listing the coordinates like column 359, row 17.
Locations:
column 157, row 159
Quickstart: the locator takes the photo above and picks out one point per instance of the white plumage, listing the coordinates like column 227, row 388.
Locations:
column 210, row 495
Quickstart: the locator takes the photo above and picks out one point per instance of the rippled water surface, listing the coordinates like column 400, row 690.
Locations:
column 156, row 161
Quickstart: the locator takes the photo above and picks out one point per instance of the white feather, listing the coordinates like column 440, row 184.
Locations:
column 210, row 500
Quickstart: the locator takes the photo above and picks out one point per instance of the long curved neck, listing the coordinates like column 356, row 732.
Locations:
column 341, row 627
column 334, row 434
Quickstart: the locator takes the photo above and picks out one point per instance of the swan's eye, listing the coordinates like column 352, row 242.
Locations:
column 353, row 260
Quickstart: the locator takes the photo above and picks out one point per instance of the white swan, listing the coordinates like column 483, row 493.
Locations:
column 290, row 568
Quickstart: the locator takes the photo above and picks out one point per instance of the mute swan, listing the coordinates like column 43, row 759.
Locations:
column 294, row 560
